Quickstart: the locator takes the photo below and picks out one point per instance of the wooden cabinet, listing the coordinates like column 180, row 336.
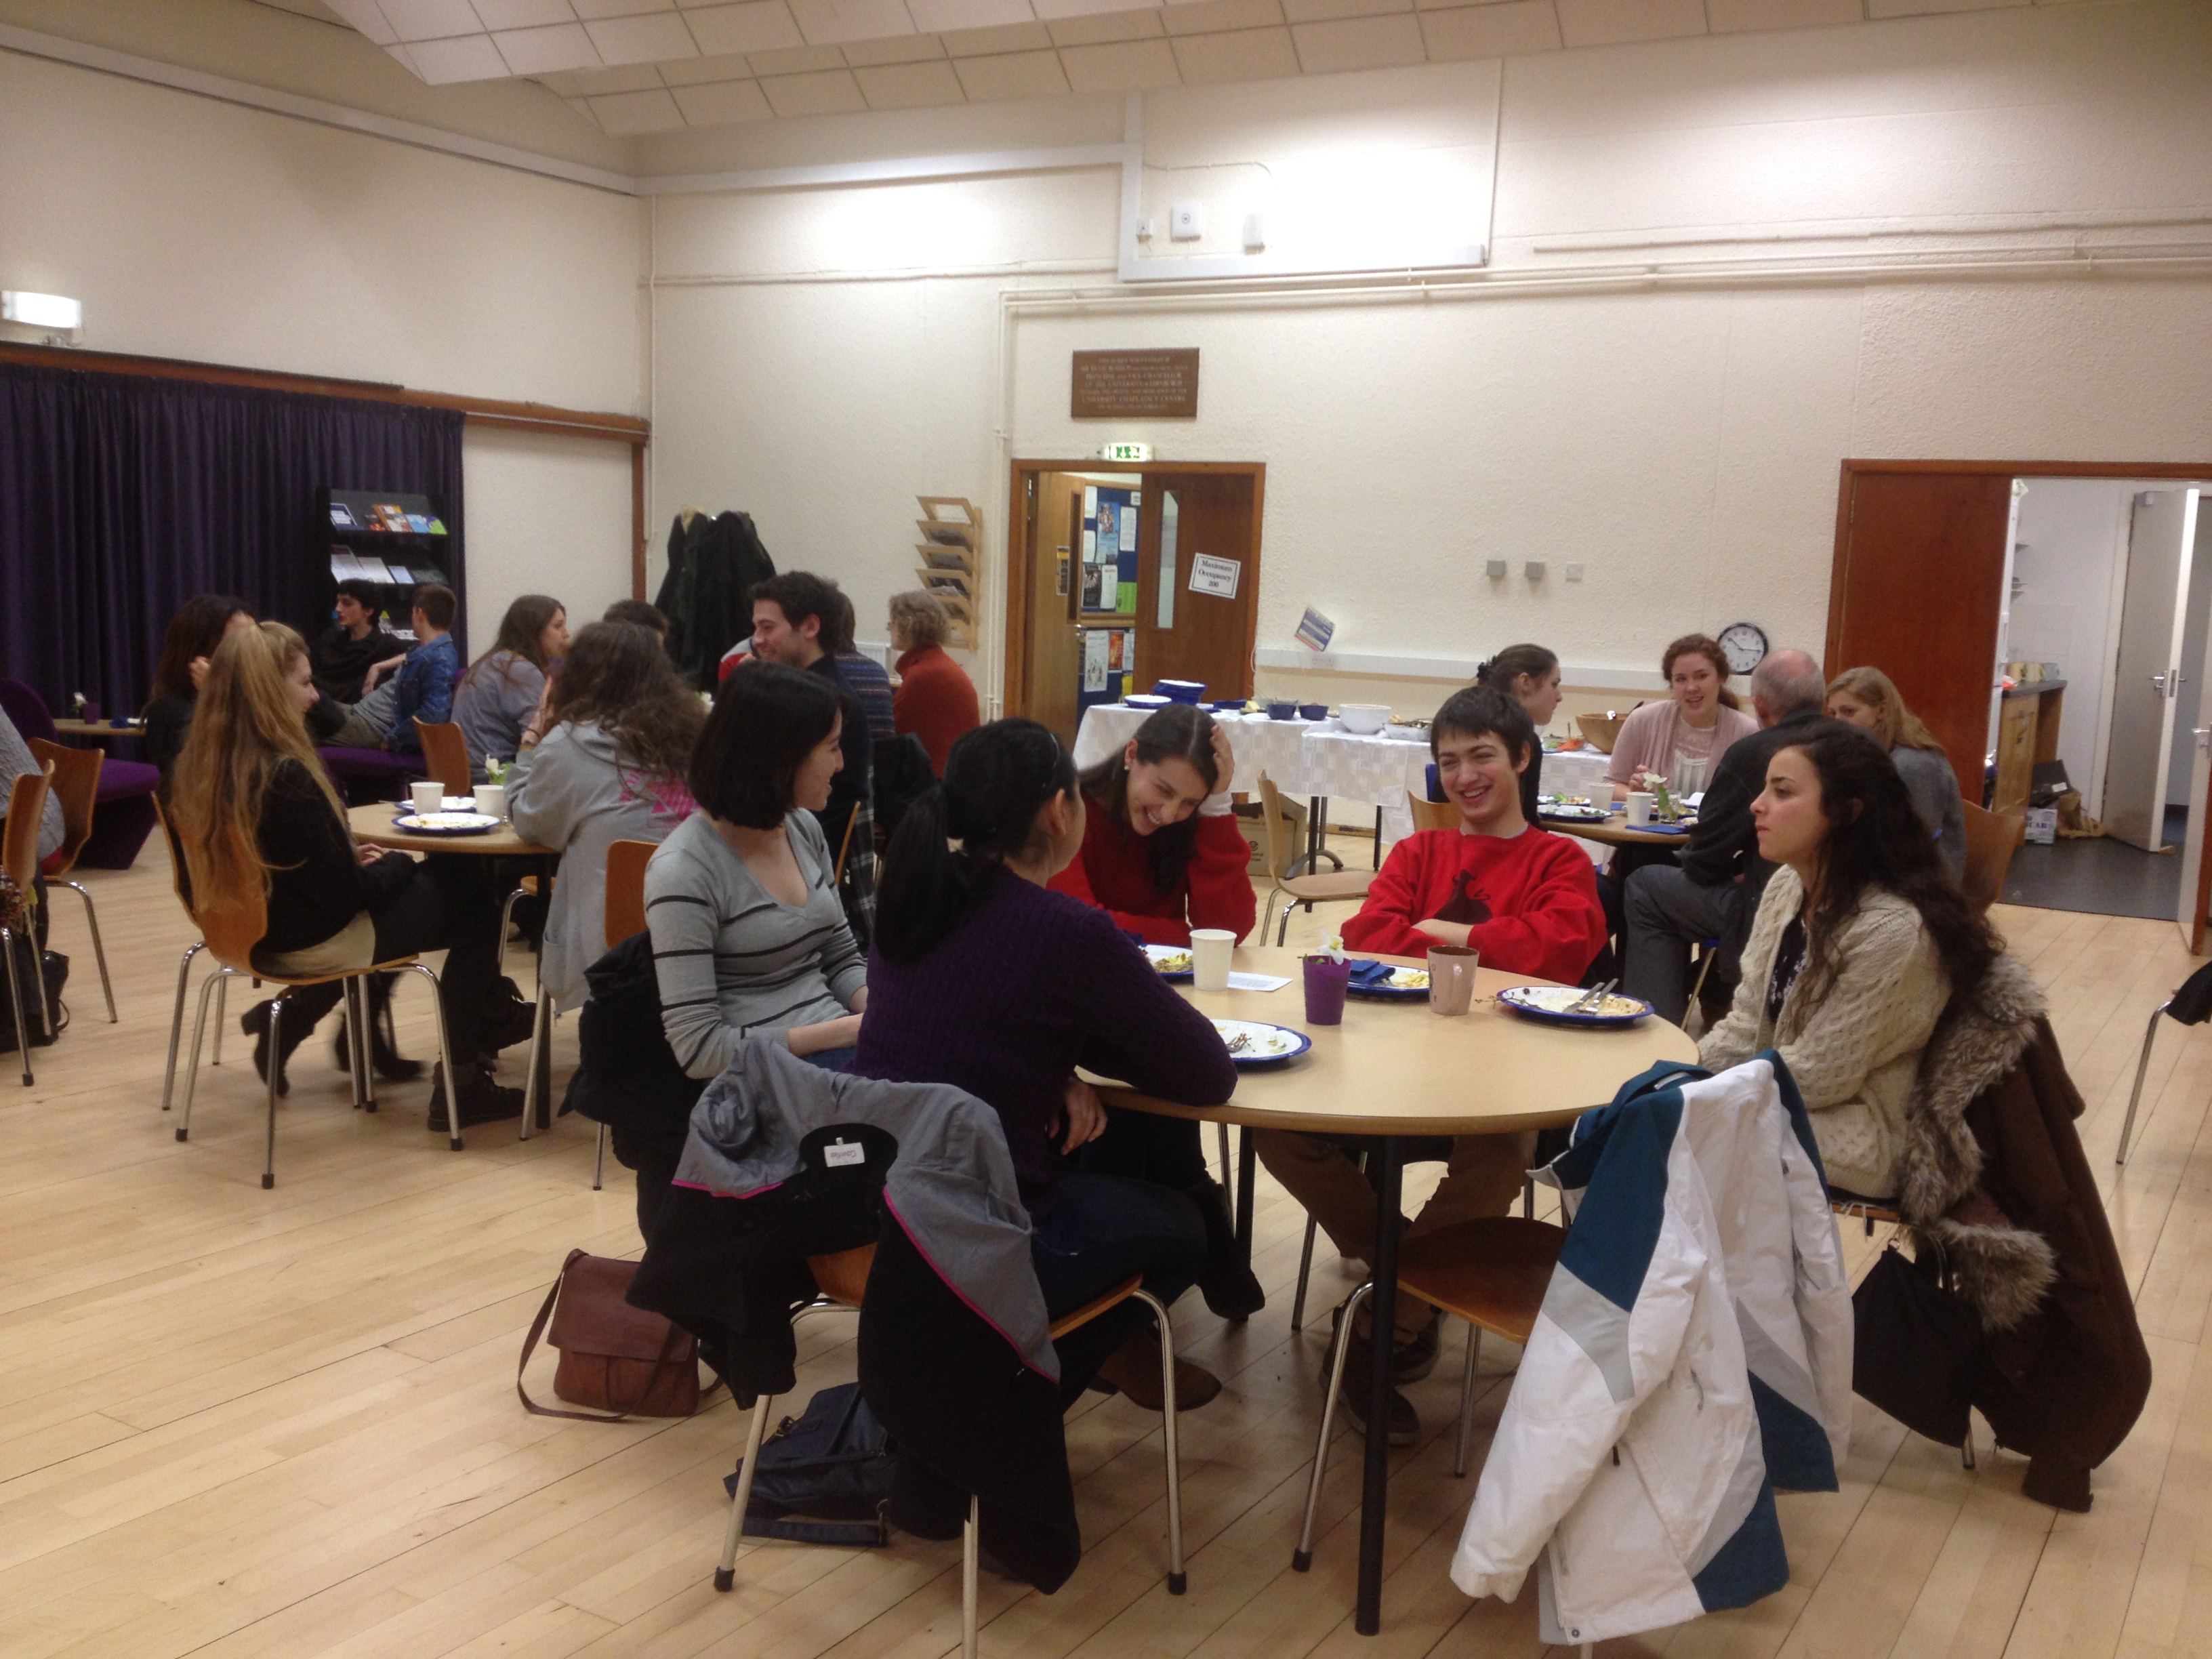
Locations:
column 2028, row 735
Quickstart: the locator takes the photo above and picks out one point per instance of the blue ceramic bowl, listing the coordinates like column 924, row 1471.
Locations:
column 1281, row 708
column 1187, row 691
column 1229, row 706
column 1313, row 711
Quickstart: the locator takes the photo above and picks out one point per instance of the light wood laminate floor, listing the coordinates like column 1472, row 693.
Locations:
column 238, row 1423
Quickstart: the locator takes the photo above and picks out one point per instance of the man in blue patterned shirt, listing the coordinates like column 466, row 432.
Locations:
column 426, row 679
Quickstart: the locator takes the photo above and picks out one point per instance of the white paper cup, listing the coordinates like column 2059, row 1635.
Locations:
column 491, row 799
column 1209, row 957
column 1640, row 806
column 429, row 798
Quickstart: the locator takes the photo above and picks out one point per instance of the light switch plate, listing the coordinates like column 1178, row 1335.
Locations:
column 1574, row 573
column 1144, row 227
column 1496, row 568
column 1187, row 221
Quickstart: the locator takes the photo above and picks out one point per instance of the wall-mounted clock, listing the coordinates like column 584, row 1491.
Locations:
column 1744, row 644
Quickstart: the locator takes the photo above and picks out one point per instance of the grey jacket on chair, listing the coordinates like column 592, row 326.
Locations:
column 951, row 1187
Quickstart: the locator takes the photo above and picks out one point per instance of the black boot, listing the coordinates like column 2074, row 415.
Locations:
column 482, row 1101
column 383, row 1051
column 255, row 1022
column 1226, row 1281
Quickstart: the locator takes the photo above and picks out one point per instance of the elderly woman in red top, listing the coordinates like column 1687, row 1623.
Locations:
column 1162, row 855
column 1160, row 849
column 935, row 700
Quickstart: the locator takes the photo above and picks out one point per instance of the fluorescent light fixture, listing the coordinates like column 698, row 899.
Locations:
column 41, row 310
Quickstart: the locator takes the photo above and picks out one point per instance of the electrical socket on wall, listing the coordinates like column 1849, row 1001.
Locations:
column 1533, row 570
column 1187, row 221
column 1496, row 569
column 1144, row 227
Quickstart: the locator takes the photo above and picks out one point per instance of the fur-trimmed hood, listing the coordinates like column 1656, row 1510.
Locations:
column 2003, row 1270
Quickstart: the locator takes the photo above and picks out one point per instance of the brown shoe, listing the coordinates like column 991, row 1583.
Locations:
column 1134, row 1369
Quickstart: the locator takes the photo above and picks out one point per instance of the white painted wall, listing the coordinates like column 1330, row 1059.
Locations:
column 1651, row 381
column 548, row 515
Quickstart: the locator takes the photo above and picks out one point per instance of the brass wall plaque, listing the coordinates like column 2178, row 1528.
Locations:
column 1118, row 385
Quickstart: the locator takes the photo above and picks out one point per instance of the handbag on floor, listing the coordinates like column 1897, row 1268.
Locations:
column 40, row 973
column 1917, row 1345
column 618, row 1360
column 824, row 1476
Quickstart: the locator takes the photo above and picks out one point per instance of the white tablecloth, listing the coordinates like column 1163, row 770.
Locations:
column 1577, row 772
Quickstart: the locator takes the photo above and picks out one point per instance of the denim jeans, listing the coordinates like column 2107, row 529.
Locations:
column 1102, row 1229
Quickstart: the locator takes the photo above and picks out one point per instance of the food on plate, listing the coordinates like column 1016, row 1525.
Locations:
column 1564, row 999
column 1249, row 1041
column 1409, row 979
column 1169, row 961
column 448, row 821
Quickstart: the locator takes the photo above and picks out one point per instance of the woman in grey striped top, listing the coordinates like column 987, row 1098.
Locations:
column 749, row 937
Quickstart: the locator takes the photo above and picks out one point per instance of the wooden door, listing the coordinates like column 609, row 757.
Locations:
column 2147, row 677
column 1919, row 571
column 1202, row 526
column 1052, row 652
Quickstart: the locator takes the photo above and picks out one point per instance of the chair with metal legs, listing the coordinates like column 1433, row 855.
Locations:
column 76, row 785
column 842, row 1280
column 1492, row 1273
column 19, row 856
column 184, row 968
column 2191, row 1004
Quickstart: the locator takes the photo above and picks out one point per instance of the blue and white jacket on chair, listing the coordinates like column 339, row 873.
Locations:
column 1693, row 1354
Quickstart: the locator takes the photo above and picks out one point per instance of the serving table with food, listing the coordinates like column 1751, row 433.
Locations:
column 1393, row 1069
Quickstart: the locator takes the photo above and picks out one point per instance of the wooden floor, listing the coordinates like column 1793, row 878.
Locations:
column 236, row 1423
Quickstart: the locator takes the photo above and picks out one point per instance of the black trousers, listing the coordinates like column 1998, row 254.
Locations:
column 446, row 906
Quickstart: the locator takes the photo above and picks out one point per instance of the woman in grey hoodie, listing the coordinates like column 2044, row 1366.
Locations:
column 602, row 760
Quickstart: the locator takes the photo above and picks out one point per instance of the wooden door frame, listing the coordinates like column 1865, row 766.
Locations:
column 1840, row 564
column 1014, row 674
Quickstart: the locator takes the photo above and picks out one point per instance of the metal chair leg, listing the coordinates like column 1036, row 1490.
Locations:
column 16, row 1001
column 199, row 1031
column 1966, row 1446
column 971, row 1548
column 599, row 1161
column 726, row 1571
column 1338, row 1345
column 445, row 1052
column 541, row 1043
column 275, row 1071
column 1228, row 1171
column 1467, row 1400
column 1282, row 928
column 2142, row 1065
column 1305, row 1267
column 99, row 951
column 506, row 923
column 1178, row 1580
column 221, row 1013
column 357, row 1030
column 177, row 1019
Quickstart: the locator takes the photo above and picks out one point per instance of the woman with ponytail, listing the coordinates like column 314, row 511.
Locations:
column 984, row 978
column 1529, row 674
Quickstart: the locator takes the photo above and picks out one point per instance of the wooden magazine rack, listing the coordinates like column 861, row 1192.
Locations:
column 952, row 559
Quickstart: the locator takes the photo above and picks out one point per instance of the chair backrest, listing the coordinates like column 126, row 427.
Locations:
column 19, row 836
column 231, row 934
column 27, row 711
column 1279, row 826
column 177, row 878
column 76, row 785
column 842, row 1277
column 445, row 755
column 1432, row 814
column 844, row 847
column 626, row 862
column 1991, row 840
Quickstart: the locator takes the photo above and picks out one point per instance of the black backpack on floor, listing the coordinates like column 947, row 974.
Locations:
column 823, row 1476
column 38, row 972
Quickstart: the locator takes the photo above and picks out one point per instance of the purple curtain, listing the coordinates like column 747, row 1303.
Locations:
column 121, row 496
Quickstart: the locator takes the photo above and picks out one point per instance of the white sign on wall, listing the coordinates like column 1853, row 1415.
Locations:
column 1210, row 574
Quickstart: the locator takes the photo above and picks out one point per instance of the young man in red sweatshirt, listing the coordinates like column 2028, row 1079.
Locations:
column 1527, row 900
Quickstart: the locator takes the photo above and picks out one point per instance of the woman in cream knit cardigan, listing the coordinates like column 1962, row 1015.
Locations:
column 1858, row 944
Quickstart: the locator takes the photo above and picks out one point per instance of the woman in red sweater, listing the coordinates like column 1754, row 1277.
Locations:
column 1162, row 855
column 935, row 700
column 1160, row 847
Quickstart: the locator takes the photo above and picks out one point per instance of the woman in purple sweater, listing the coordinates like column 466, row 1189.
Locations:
column 983, row 978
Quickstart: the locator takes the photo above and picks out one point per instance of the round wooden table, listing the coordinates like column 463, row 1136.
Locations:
column 98, row 730
column 372, row 827
column 1614, row 832
column 1394, row 1069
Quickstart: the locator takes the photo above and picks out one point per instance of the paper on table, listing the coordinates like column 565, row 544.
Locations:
column 1255, row 982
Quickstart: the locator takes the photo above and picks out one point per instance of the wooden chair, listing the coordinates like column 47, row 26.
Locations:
column 842, row 1278
column 179, row 883
column 1281, row 840
column 1492, row 1273
column 445, row 755
column 1991, row 840
column 76, row 785
column 230, row 934
column 625, row 919
column 19, row 856
column 1432, row 814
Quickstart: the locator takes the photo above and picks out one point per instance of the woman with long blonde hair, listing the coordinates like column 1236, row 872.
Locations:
column 259, row 821
column 1866, row 697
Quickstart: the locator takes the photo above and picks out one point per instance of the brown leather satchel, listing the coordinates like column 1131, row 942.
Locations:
column 614, row 1358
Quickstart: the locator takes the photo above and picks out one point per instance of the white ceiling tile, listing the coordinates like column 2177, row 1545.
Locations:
column 1511, row 30
column 910, row 85
column 1246, row 55
column 1728, row 16
column 1011, row 75
column 591, row 10
column 1213, row 17
column 405, row 58
column 1105, row 27
column 826, row 92
column 1322, row 11
column 562, row 85
column 698, row 71
column 722, row 103
column 499, row 15
column 431, row 20
column 366, row 16
column 540, row 51
column 757, row 26
column 1013, row 37
column 825, row 22
column 1359, row 43
column 1608, row 22
column 623, row 113
column 799, row 60
column 468, row 58
column 906, row 49
column 1052, row 11
column 583, row 108
column 651, row 39
column 1119, row 66
column 937, row 16
column 630, row 77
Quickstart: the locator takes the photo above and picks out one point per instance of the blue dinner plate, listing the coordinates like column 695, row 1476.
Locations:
column 1529, row 1002
column 1154, row 952
column 1382, row 991
column 1299, row 1040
